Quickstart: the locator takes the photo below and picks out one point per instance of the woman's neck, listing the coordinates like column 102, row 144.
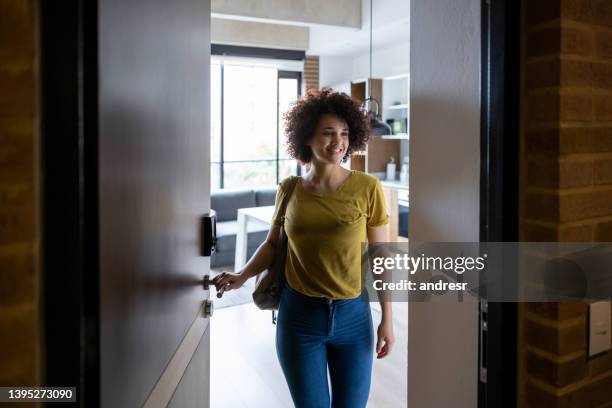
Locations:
column 326, row 175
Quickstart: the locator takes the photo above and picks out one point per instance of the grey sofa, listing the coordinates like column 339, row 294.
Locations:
column 226, row 203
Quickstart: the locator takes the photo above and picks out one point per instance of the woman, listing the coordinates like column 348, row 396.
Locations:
column 324, row 317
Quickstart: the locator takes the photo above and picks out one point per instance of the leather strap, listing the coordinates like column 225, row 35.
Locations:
column 291, row 186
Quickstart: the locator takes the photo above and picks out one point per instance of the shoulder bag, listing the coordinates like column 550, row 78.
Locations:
column 269, row 283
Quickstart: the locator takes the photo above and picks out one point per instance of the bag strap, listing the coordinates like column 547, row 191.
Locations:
column 290, row 187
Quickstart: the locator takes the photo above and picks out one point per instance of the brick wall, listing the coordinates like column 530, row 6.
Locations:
column 311, row 73
column 19, row 194
column 566, row 192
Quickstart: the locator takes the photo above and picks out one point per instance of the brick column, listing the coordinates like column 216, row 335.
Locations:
column 20, row 280
column 311, row 73
column 566, row 187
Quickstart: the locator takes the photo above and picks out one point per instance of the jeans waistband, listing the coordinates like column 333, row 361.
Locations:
column 324, row 300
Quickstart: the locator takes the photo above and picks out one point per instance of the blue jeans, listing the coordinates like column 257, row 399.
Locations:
column 314, row 333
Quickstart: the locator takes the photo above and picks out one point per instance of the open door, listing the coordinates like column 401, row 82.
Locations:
column 127, row 181
column 153, row 72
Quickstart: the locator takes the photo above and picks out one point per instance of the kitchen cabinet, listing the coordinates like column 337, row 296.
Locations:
column 379, row 150
column 396, row 198
column 395, row 104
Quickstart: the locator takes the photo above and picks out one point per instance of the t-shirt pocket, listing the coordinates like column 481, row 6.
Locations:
column 351, row 216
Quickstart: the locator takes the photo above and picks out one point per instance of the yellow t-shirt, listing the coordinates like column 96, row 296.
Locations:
column 325, row 234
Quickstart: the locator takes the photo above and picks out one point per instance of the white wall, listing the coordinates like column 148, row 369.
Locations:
column 390, row 61
column 394, row 60
column 391, row 25
column 444, row 195
column 334, row 70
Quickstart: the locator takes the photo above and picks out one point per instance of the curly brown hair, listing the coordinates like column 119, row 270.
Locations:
column 303, row 117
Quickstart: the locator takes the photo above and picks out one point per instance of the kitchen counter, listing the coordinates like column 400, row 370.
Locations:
column 402, row 191
column 394, row 184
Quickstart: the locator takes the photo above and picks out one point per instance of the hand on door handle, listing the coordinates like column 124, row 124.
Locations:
column 206, row 281
column 226, row 281
column 222, row 290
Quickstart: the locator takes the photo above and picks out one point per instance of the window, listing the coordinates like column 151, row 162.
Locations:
column 247, row 129
column 288, row 92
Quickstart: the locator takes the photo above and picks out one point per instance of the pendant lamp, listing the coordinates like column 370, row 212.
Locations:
column 377, row 127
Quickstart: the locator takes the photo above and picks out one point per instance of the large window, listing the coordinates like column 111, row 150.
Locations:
column 247, row 129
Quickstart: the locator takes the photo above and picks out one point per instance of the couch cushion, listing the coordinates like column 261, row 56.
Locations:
column 222, row 259
column 265, row 196
column 227, row 202
column 226, row 259
column 226, row 234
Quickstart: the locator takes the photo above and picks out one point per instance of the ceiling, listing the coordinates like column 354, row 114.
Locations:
column 342, row 39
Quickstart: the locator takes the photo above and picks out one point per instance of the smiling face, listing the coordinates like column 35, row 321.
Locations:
column 330, row 141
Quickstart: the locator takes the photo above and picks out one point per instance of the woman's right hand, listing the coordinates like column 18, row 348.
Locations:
column 230, row 280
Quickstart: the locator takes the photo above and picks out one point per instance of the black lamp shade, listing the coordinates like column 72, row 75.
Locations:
column 379, row 128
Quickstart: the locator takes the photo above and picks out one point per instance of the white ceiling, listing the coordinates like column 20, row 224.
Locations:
column 391, row 27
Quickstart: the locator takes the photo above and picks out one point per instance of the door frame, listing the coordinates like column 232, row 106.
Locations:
column 69, row 134
column 68, row 39
column 499, row 192
column 285, row 75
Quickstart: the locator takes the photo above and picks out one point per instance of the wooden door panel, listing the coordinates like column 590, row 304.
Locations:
column 191, row 392
column 153, row 186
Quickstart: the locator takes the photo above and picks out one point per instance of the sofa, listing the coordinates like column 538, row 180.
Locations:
column 226, row 204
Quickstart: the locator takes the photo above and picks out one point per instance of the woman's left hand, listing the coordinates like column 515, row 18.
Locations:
column 384, row 344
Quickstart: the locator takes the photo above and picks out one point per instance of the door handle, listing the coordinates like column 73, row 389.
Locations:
column 208, row 233
column 206, row 282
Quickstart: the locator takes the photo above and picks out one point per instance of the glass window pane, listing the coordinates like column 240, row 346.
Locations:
column 215, row 113
column 249, row 104
column 250, row 174
column 287, row 93
column 286, row 168
column 215, row 176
